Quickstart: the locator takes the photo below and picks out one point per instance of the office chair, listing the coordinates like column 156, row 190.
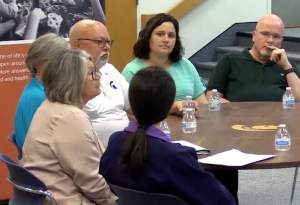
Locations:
column 28, row 189
column 135, row 197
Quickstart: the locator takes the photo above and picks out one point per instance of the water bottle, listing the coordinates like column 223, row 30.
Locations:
column 188, row 103
column 165, row 128
column 282, row 139
column 288, row 99
column 189, row 123
column 214, row 101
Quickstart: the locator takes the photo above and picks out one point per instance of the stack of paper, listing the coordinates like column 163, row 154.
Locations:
column 188, row 144
column 234, row 157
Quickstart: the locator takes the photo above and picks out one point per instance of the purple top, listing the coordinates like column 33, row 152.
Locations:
column 169, row 168
column 152, row 131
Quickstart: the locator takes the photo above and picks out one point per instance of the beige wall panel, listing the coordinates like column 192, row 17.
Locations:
column 122, row 24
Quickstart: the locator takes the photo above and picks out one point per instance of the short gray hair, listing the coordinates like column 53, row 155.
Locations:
column 64, row 77
column 42, row 49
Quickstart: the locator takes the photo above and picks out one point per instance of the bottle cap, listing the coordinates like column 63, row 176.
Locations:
column 288, row 88
column 214, row 90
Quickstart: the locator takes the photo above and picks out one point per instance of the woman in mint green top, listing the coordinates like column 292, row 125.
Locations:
column 159, row 44
column 184, row 74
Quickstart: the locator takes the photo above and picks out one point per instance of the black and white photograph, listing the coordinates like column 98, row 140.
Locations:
column 28, row 19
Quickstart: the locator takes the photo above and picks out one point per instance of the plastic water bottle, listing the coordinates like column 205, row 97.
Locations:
column 188, row 103
column 214, row 101
column 189, row 123
column 165, row 128
column 288, row 99
column 282, row 139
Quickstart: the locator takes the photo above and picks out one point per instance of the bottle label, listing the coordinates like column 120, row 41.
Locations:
column 290, row 102
column 188, row 125
column 282, row 142
column 214, row 105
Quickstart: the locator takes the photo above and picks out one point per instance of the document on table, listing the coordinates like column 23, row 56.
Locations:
column 234, row 157
column 189, row 144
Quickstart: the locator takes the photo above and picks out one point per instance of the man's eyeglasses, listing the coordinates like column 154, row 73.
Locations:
column 267, row 34
column 100, row 42
column 95, row 73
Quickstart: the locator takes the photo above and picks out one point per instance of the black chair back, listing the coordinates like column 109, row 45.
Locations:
column 134, row 197
column 28, row 189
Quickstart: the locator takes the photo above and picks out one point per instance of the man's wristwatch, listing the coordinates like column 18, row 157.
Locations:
column 290, row 70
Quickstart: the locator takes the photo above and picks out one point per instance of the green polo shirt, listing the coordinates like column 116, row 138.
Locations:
column 240, row 78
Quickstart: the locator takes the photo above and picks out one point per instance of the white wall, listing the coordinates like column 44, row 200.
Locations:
column 156, row 6
column 209, row 19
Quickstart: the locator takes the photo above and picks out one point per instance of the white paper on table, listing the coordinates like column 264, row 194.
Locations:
column 234, row 157
column 189, row 144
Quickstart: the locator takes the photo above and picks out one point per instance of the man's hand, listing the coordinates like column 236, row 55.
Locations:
column 279, row 56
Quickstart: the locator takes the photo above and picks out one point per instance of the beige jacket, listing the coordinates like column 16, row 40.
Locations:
column 62, row 149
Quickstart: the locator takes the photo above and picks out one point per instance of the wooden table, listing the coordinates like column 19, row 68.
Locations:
column 215, row 132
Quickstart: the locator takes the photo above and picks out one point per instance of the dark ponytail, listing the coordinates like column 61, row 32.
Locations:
column 135, row 151
column 151, row 95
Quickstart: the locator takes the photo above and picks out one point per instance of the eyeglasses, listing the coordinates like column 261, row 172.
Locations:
column 100, row 42
column 95, row 73
column 267, row 34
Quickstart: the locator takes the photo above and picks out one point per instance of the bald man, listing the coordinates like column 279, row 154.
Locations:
column 261, row 73
column 108, row 110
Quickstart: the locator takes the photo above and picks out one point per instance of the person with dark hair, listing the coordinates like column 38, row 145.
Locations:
column 61, row 146
column 142, row 157
column 159, row 44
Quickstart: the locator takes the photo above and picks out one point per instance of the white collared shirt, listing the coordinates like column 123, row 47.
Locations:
column 112, row 103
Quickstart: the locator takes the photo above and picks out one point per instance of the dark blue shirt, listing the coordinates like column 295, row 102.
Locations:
column 169, row 168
